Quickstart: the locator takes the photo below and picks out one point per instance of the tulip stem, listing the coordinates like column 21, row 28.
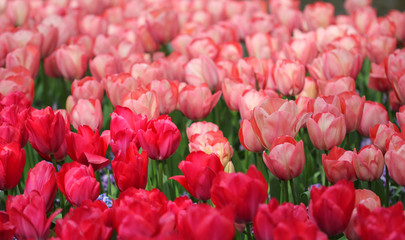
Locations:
column 160, row 173
column 370, row 186
column 286, row 199
column 249, row 232
column 294, row 194
column 387, row 187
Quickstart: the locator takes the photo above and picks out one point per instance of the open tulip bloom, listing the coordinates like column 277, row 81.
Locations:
column 196, row 120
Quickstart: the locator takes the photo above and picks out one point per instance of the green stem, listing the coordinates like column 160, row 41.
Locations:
column 248, row 232
column 370, row 186
column 294, row 194
column 286, row 198
column 387, row 187
column 160, row 175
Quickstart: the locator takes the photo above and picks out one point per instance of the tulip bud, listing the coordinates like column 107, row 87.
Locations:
column 12, row 160
column 338, row 165
column 326, row 130
column 373, row 113
column 87, row 112
column 229, row 168
column 248, row 138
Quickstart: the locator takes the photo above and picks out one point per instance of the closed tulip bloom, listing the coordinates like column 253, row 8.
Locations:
column 243, row 192
column 401, row 116
column 87, row 112
column 291, row 230
column 331, row 207
column 380, row 133
column 289, row 77
column 202, row 221
column 326, row 130
column 398, row 19
column 369, row 164
column 12, row 162
column 338, row 165
column 249, row 100
column 89, row 221
column 319, row 14
column 248, row 138
column 142, row 101
column 42, row 178
column 18, row 12
column 379, row 47
column 326, row 104
column 28, row 57
column 378, row 78
column 201, row 128
column 16, row 79
column 231, row 51
column 202, row 47
column 373, row 113
column 167, row 94
column 47, row 145
column 310, row 89
column 199, row 171
column 157, row 22
column 334, row 63
column 130, row 168
column 232, row 89
column 286, row 159
column 160, row 139
column 78, row 183
column 301, row 50
column 394, row 159
column 202, row 70
column 103, row 65
column 260, row 45
column 336, row 85
column 88, row 147
column 87, row 88
column 368, row 199
column 196, row 102
column 28, row 215
column 353, row 111
column 119, row 85
column 71, row 61
column 276, row 117
column 7, row 229
column 353, row 5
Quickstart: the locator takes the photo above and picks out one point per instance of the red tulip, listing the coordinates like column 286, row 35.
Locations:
column 199, row 171
column 243, row 192
column 12, row 162
column 291, row 230
column 286, row 159
column 202, row 221
column 331, row 207
column 47, row 133
column 78, row 183
column 88, row 147
column 42, row 178
column 7, row 229
column 270, row 215
column 160, row 139
column 338, row 165
column 28, row 214
column 381, row 223
column 130, row 168
column 89, row 221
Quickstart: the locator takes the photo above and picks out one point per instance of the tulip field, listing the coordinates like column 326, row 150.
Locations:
column 201, row 120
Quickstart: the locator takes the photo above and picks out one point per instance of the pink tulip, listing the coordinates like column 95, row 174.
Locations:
column 16, row 79
column 398, row 18
column 378, row 78
column 50, row 38
column 119, row 85
column 336, row 85
column 338, row 165
column 394, row 159
column 28, row 57
column 326, row 130
column 18, row 12
column 353, row 5
column 310, row 89
column 201, row 128
column 202, row 70
column 232, row 89
column 249, row 100
column 379, row 47
column 142, row 101
column 363, row 18
column 353, row 110
column 319, row 15
column 71, row 61
column 373, row 113
column 103, row 65
column 202, row 47
column 286, row 159
column 163, row 25
column 301, row 50
column 248, row 138
column 87, row 88
column 87, row 112
column 369, row 164
column 288, row 77
column 167, row 94
column 381, row 133
column 260, row 45
column 231, row 51
column 92, row 25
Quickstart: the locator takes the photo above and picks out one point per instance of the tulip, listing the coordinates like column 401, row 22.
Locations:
column 28, row 214
column 196, row 102
column 276, row 117
column 232, row 89
column 336, row 62
column 326, row 130
column 245, row 198
column 319, row 15
column 398, row 19
column 7, row 229
column 12, row 162
column 331, row 207
column 42, row 178
column 365, row 198
column 353, row 5
column 78, row 183
column 202, row 47
column 379, row 47
column 71, row 61
column 92, row 25
column 48, row 145
column 301, row 50
column 326, row 104
column 28, row 57
column 369, row 164
column 291, row 230
column 394, row 159
column 310, row 89
column 103, row 65
column 380, row 133
column 336, row 85
column 202, row 70
column 87, row 112
column 50, row 39
column 199, row 171
column 380, row 223
column 259, row 45
column 231, row 51
column 130, row 168
column 157, row 22
column 124, row 128
column 87, row 221
column 373, row 113
column 160, row 139
column 401, row 116
column 88, row 147
column 16, row 79
column 378, row 78
column 289, row 77
column 363, row 18
column 353, row 110
column 142, row 101
column 249, row 100
column 201, row 128
column 338, row 165
column 286, row 159
column 119, row 85
column 167, row 94
column 18, row 12
column 248, row 138
column 144, row 73
column 202, row 221
column 87, row 88
column 212, row 142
